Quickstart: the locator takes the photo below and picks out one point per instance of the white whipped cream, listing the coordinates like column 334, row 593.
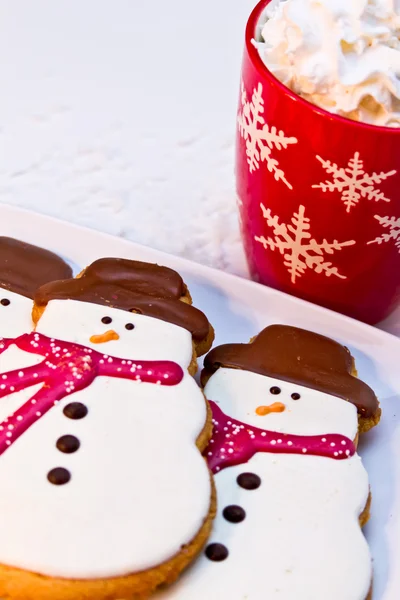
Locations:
column 342, row 55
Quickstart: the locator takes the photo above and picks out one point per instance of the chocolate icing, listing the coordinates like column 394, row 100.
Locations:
column 216, row 552
column 24, row 267
column 234, row 513
column 59, row 476
column 248, row 481
column 137, row 276
column 132, row 286
column 75, row 410
column 300, row 357
column 68, row 444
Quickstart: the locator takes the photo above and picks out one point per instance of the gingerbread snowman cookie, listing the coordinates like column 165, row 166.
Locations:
column 105, row 492
column 292, row 491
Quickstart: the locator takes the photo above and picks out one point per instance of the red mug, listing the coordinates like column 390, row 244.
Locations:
column 318, row 196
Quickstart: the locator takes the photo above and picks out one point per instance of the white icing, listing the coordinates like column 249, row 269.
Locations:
column 342, row 55
column 16, row 317
column 151, row 339
column 15, row 320
column 301, row 538
column 139, row 488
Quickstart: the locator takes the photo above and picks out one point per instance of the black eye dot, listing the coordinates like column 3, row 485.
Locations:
column 275, row 390
column 5, row 302
column 295, row 396
column 106, row 320
column 129, row 326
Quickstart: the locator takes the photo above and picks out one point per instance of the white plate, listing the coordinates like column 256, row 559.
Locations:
column 238, row 309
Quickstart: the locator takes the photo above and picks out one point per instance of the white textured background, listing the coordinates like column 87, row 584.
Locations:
column 120, row 115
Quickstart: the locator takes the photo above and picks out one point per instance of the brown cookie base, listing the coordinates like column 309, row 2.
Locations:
column 366, row 513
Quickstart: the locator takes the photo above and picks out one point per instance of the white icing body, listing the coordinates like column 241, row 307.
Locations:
column 301, row 538
column 16, row 317
column 139, row 487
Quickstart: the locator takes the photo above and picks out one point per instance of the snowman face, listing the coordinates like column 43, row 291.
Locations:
column 277, row 405
column 116, row 332
column 15, row 314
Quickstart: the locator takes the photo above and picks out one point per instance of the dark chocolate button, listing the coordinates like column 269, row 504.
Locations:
column 216, row 552
column 234, row 514
column 59, row 476
column 106, row 320
column 249, row 481
column 5, row 301
column 68, row 444
column 296, row 396
column 129, row 326
column 75, row 410
column 275, row 390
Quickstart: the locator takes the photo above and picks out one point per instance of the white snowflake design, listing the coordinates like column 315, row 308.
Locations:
column 300, row 251
column 260, row 138
column 393, row 224
column 353, row 182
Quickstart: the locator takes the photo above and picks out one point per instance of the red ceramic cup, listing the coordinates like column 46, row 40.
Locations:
column 319, row 197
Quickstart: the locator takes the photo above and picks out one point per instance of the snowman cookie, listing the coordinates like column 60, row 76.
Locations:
column 105, row 493
column 292, row 491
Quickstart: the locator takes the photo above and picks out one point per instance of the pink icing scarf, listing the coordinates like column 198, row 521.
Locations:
column 234, row 443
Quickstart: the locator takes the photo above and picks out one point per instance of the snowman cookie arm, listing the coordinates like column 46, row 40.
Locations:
column 160, row 372
column 20, row 379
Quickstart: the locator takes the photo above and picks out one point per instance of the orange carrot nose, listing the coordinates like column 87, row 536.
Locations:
column 107, row 336
column 275, row 407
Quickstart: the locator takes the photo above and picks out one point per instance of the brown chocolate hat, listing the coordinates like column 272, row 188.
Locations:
column 24, row 267
column 300, row 357
column 137, row 276
column 133, row 286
